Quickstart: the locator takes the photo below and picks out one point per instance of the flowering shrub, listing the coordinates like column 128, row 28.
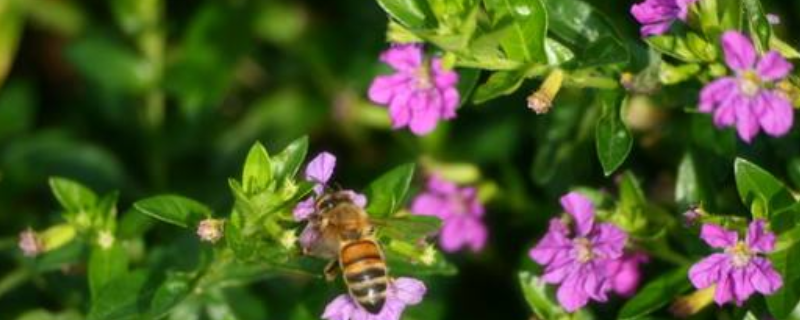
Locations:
column 420, row 159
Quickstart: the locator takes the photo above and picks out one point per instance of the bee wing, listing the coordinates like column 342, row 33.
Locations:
column 407, row 228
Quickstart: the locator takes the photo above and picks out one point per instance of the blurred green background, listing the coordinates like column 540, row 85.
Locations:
column 151, row 96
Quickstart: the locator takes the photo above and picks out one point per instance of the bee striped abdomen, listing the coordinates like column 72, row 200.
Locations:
column 365, row 273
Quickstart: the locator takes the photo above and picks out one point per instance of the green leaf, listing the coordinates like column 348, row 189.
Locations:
column 688, row 189
column 286, row 164
column 411, row 13
column 525, row 40
column 257, row 172
column 682, row 48
column 105, row 265
column 111, row 65
column 586, row 31
column 386, row 194
column 410, row 228
column 612, row 137
column 656, row 294
column 172, row 292
column 17, row 108
column 765, row 195
column 784, row 301
column 174, row 209
column 757, row 23
column 499, row 83
column 11, row 24
column 557, row 53
column 784, row 48
column 542, row 303
column 120, row 298
column 73, row 196
column 468, row 80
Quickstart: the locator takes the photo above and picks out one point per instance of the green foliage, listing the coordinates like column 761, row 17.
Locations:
column 174, row 209
column 388, row 192
column 613, row 139
column 656, row 294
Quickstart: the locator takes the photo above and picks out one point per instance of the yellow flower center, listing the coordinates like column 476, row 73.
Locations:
column 583, row 247
column 424, row 76
column 740, row 254
column 749, row 83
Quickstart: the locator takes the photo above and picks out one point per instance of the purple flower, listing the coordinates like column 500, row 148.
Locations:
column 656, row 16
column 748, row 99
column 419, row 93
column 402, row 292
column 459, row 209
column 578, row 259
column 740, row 270
column 624, row 273
column 319, row 171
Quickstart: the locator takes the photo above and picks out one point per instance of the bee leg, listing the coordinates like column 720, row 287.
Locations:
column 331, row 270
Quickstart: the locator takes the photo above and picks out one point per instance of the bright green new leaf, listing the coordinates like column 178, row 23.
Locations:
column 612, row 138
column 120, row 298
column 587, row 32
column 765, row 195
column 411, row 13
column 525, row 39
column 73, row 196
column 540, row 302
column 410, row 228
column 499, row 83
column 174, row 209
column 11, row 23
column 175, row 288
column 757, row 23
column 386, row 194
column 257, row 172
column 105, row 265
column 286, row 163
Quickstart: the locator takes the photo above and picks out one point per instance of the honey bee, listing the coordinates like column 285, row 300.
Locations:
column 346, row 236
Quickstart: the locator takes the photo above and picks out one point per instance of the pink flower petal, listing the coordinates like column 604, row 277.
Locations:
column 462, row 231
column 321, row 168
column 580, row 208
column 739, row 51
column 708, row 271
column 747, row 125
column 742, row 288
column 341, row 308
column 571, row 296
column 724, row 290
column 608, row 241
column 443, row 78
column 451, row 99
column 406, row 57
column 758, row 238
column 773, row 66
column 424, row 114
column 384, row 88
column 777, row 114
column 717, row 91
column 399, row 110
column 304, row 209
column 428, row 204
column 554, row 243
column 408, row 290
column 763, row 277
column 717, row 236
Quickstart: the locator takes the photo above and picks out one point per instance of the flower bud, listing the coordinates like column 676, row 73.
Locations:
column 692, row 303
column 288, row 239
column 105, row 239
column 30, row 243
column 542, row 100
column 210, row 230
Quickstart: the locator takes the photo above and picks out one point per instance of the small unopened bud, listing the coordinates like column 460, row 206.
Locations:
column 288, row 239
column 210, row 230
column 692, row 216
column 627, row 81
column 105, row 239
column 542, row 100
column 30, row 243
column 690, row 304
